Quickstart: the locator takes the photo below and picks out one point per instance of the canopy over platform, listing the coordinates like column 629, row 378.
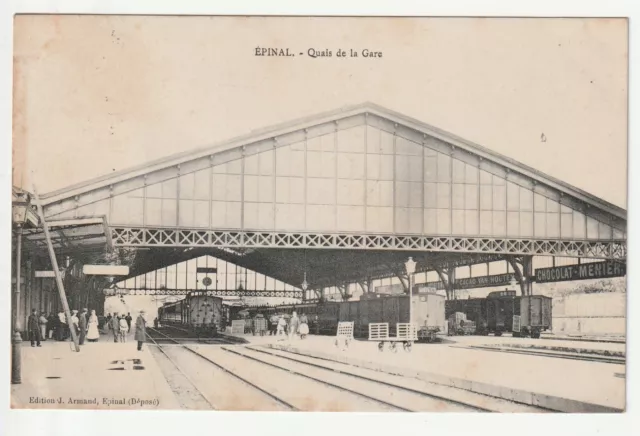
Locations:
column 71, row 236
column 323, row 268
column 344, row 196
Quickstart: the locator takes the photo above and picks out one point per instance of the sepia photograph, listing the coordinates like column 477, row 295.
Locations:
column 319, row 214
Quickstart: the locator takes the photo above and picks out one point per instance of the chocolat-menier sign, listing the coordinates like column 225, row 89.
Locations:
column 585, row 271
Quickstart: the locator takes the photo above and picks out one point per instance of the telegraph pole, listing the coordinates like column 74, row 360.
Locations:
column 54, row 264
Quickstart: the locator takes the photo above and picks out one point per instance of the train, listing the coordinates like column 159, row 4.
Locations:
column 504, row 312
column 198, row 311
column 428, row 314
column 500, row 312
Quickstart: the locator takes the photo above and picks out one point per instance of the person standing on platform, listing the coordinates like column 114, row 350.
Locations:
column 115, row 326
column 93, row 334
column 304, row 326
column 74, row 322
column 43, row 326
column 62, row 326
column 273, row 327
column 294, row 324
column 128, row 318
column 52, row 324
column 33, row 328
column 282, row 324
column 82, row 326
column 124, row 328
column 141, row 330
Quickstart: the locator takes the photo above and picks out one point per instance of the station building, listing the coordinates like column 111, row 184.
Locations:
column 329, row 204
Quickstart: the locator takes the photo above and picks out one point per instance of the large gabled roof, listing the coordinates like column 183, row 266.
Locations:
column 327, row 117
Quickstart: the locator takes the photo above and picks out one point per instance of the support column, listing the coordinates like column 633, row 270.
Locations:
column 16, row 340
column 402, row 276
column 527, row 272
column 18, row 266
column 344, row 291
column 452, row 282
column 448, row 278
column 522, row 274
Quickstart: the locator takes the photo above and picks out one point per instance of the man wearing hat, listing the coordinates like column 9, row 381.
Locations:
column 33, row 328
column 141, row 330
column 115, row 326
column 82, row 326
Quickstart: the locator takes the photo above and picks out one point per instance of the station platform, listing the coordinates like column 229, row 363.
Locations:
column 103, row 375
column 570, row 344
column 604, row 338
column 559, row 384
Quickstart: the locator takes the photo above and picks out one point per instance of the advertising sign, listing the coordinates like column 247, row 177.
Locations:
column 475, row 282
column 585, row 271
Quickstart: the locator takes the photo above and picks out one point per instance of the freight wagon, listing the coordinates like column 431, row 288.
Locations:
column 198, row 311
column 533, row 316
column 503, row 312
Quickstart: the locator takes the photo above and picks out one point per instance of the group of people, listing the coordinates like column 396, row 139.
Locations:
column 86, row 327
column 279, row 326
column 120, row 326
column 42, row 327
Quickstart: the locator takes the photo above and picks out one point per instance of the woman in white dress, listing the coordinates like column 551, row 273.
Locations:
column 92, row 330
column 124, row 329
column 74, row 322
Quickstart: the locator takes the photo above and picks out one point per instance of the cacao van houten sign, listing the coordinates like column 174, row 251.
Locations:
column 474, row 282
column 585, row 271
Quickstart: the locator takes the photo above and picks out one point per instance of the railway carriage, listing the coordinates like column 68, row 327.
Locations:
column 503, row 311
column 198, row 311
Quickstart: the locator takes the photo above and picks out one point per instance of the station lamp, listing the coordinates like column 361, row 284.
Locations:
column 410, row 266
column 22, row 211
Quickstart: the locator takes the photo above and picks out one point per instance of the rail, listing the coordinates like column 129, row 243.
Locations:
column 173, row 362
column 226, row 370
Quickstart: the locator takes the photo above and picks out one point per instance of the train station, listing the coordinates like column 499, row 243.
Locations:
column 344, row 254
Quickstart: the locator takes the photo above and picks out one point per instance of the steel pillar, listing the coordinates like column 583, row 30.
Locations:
column 448, row 279
column 18, row 276
column 526, row 286
column 451, row 274
column 16, row 340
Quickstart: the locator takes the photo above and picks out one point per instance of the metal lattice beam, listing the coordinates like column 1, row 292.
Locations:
column 219, row 293
column 147, row 237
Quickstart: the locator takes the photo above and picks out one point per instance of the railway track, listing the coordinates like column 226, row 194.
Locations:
column 306, row 383
column 186, row 390
column 417, row 393
column 552, row 354
column 222, row 377
column 191, row 337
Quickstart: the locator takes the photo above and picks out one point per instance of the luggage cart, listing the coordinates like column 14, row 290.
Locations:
column 344, row 333
column 405, row 334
